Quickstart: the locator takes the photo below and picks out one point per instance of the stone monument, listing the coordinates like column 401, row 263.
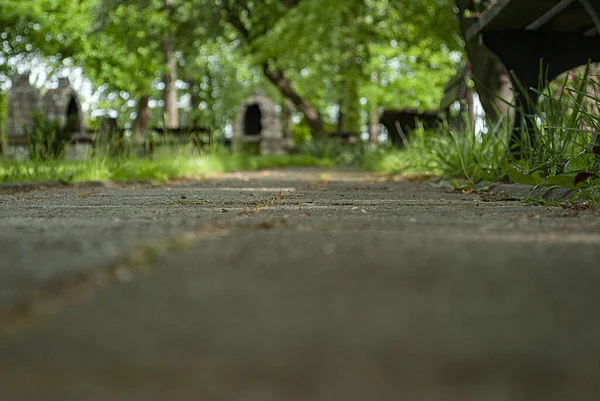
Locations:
column 258, row 123
column 62, row 105
column 22, row 101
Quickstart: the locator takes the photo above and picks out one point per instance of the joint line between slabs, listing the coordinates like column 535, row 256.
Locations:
column 71, row 289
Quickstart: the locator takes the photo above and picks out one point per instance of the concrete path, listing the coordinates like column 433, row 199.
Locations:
column 295, row 285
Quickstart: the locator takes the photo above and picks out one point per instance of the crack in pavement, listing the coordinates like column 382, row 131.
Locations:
column 75, row 288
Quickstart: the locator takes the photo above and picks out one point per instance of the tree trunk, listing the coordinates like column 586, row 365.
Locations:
column 2, row 96
column 351, row 103
column 195, row 100
column 492, row 80
column 140, row 124
column 341, row 116
column 313, row 117
column 374, row 114
column 286, row 118
column 467, row 94
column 374, row 125
column 170, row 93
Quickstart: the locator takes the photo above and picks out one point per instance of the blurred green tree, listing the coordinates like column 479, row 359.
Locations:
column 335, row 62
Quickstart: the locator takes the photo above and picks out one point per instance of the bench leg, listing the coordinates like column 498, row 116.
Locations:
column 521, row 52
column 593, row 9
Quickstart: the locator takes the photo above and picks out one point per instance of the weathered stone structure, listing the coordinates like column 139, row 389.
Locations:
column 258, row 123
column 62, row 104
column 24, row 100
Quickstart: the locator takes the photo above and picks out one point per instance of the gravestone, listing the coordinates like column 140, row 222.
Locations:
column 258, row 123
column 22, row 101
column 62, row 104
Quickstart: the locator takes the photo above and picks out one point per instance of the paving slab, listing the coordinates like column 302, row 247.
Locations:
column 297, row 284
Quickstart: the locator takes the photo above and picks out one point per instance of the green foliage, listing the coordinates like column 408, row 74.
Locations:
column 338, row 151
column 166, row 163
column 447, row 152
column 406, row 76
column 407, row 162
column 352, row 56
column 562, row 155
column 46, row 140
column 363, row 54
column 467, row 154
column 557, row 127
column 2, row 116
column 40, row 28
column 220, row 78
column 566, row 121
column 111, row 144
column 225, row 162
column 329, row 51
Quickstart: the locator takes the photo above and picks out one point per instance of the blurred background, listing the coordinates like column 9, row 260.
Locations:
column 165, row 89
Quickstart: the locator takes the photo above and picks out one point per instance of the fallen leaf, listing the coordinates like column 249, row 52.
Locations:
column 581, row 177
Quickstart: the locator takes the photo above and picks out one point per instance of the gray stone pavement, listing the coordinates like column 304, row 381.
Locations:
column 295, row 285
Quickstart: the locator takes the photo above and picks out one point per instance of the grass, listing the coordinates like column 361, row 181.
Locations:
column 407, row 162
column 444, row 152
column 568, row 116
column 166, row 164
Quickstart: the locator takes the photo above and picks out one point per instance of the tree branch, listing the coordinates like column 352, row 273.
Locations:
column 284, row 86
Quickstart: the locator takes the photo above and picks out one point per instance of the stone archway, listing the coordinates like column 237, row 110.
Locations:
column 62, row 105
column 252, row 120
column 73, row 120
column 257, row 123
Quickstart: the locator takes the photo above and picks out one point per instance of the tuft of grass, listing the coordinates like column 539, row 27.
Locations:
column 470, row 155
column 406, row 162
column 560, row 126
column 561, row 152
column 566, row 126
column 445, row 152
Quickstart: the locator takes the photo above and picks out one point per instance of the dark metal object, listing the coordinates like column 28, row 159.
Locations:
column 560, row 34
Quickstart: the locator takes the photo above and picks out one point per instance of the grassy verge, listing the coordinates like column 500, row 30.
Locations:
column 163, row 167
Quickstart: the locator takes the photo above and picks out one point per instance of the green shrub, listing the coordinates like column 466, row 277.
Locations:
column 337, row 150
column 46, row 140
